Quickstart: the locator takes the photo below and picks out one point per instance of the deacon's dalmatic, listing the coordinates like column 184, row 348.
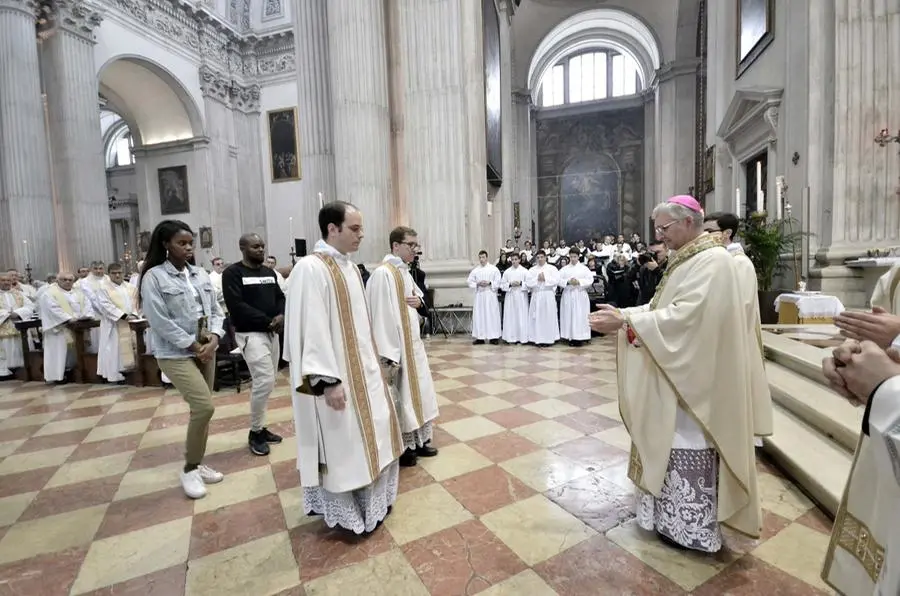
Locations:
column 116, row 303
column 392, row 292
column 348, row 438
column 515, row 304
column 61, row 305
column 14, row 306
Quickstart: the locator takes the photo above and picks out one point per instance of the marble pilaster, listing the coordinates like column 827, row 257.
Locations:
column 249, row 152
column 361, row 117
column 503, row 209
column 27, row 221
column 674, row 124
column 314, row 111
column 75, row 143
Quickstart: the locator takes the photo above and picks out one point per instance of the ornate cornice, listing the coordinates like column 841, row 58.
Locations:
column 224, row 89
column 275, row 54
column 76, row 17
column 31, row 7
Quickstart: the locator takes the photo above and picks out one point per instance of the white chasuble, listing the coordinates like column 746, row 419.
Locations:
column 683, row 358
column 575, row 306
column 485, row 307
column 328, row 334
column 57, row 308
column 395, row 325
column 863, row 556
column 117, row 344
column 12, row 303
column 543, row 321
column 515, row 305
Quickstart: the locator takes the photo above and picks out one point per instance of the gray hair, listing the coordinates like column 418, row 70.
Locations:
column 679, row 213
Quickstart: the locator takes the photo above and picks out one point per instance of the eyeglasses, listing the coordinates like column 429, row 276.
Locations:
column 661, row 229
column 412, row 245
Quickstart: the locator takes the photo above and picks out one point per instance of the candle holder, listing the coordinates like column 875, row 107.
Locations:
column 293, row 254
column 28, row 273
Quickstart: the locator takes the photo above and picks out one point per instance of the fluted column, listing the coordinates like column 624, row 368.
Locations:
column 249, row 156
column 314, row 110
column 361, row 116
column 27, row 222
column 867, row 99
column 76, row 146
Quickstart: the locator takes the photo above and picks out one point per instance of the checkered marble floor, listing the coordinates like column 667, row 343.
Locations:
column 528, row 496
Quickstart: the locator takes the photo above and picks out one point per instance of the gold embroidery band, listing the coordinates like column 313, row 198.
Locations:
column 412, row 372
column 8, row 328
column 357, row 383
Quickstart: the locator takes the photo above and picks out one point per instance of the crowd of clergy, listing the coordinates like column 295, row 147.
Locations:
column 692, row 387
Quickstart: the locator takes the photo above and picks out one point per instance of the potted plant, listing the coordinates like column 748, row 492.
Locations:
column 765, row 242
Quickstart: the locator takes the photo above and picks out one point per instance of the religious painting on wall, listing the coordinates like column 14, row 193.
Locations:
column 709, row 170
column 173, row 190
column 144, row 242
column 492, row 97
column 755, row 30
column 284, row 146
column 206, row 237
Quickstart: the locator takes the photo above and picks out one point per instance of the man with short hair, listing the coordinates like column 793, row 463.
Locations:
column 485, row 280
column 17, row 285
column 692, row 456
column 515, row 304
column 90, row 284
column 117, row 304
column 61, row 305
column 394, row 299
column 348, row 438
column 574, row 308
column 543, row 320
column 272, row 263
column 256, row 309
column 727, row 225
column 14, row 306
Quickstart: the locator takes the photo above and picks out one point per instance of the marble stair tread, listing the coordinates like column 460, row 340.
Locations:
column 813, row 461
column 804, row 359
column 817, row 405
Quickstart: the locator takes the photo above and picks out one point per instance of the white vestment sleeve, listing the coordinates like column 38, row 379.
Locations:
column 27, row 309
column 52, row 314
column 884, row 427
column 106, row 307
column 385, row 311
column 495, row 279
column 473, row 279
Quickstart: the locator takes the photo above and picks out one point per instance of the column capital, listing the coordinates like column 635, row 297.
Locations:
column 31, row 7
column 77, row 17
column 214, row 85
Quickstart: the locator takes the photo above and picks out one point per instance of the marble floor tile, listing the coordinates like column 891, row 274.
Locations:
column 213, row 531
column 25, row 462
column 551, row 389
column 550, row 408
column 485, row 405
column 321, row 550
column 51, row 534
column 237, row 487
column 291, row 501
column 547, row 433
column 797, row 550
column 497, row 387
column 487, row 490
column 166, row 582
column 617, row 437
column 452, row 461
column 470, row 428
column 46, row 574
column 12, row 508
column 536, row 528
column 137, row 513
column 528, row 582
column 149, row 480
column 591, row 453
column 780, row 496
column 91, row 469
column 388, row 574
column 70, row 497
column 598, row 503
column 114, row 431
column 503, row 446
column 752, row 577
column 424, row 511
column 139, row 404
column 513, row 417
column 543, row 470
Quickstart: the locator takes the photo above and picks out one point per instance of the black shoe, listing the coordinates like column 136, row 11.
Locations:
column 494, row 342
column 269, row 437
column 408, row 459
column 426, row 451
column 257, row 442
column 478, row 342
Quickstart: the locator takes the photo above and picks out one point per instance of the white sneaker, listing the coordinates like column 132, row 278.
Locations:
column 193, row 485
column 210, row 476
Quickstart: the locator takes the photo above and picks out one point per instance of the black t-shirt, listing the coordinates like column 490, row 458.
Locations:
column 253, row 297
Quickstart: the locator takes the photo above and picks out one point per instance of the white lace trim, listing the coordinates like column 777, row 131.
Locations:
column 418, row 437
column 360, row 510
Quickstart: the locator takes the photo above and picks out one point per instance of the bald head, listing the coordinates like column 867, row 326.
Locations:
column 253, row 249
column 65, row 279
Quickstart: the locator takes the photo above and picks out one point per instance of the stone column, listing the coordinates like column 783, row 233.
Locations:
column 503, row 208
column 314, row 110
column 75, row 143
column 361, row 117
column 675, row 132
column 249, row 154
column 820, row 174
column 27, row 222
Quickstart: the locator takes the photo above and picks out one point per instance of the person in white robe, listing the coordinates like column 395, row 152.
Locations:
column 272, row 263
column 394, row 299
column 90, row 285
column 18, row 285
column 863, row 556
column 136, row 276
column 515, row 305
column 116, row 305
column 727, row 225
column 543, row 318
column 348, row 436
column 575, row 306
column 692, row 456
column 485, row 280
column 61, row 305
column 14, row 306
column 215, row 276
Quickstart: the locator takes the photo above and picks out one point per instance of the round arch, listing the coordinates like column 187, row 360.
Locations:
column 596, row 29
column 150, row 99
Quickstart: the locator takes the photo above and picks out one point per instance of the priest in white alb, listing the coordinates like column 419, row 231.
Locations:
column 348, row 436
column 116, row 303
column 90, row 285
column 394, row 299
column 575, row 306
column 14, row 306
column 543, row 320
column 684, row 390
column 863, row 556
column 485, row 280
column 61, row 305
column 515, row 304
column 727, row 224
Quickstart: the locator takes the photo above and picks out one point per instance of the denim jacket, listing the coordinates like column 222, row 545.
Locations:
column 171, row 309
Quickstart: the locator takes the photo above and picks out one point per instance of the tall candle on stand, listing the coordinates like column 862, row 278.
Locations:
column 25, row 245
column 737, row 202
column 779, row 188
column 321, row 200
column 759, row 197
column 291, row 227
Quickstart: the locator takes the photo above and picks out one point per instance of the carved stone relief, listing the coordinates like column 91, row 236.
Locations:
column 273, row 9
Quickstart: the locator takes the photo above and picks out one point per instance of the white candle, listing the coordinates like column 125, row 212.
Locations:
column 321, row 200
column 291, row 227
column 779, row 189
column 758, row 178
column 25, row 244
column 737, row 202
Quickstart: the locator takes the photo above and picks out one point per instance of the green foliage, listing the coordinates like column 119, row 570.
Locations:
column 765, row 242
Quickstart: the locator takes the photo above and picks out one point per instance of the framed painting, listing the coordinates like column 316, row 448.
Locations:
column 284, row 153
column 709, row 170
column 206, row 237
column 755, row 30
column 173, row 190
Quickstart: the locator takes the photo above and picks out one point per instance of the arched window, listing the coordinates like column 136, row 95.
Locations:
column 119, row 146
column 590, row 76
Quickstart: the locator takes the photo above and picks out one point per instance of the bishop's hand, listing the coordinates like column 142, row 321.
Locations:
column 606, row 320
column 878, row 326
column 335, row 397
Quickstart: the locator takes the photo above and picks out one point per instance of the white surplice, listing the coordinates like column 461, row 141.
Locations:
column 515, row 305
column 91, row 286
column 116, row 351
column 575, row 305
column 347, row 458
column 12, row 303
column 58, row 307
column 398, row 339
column 485, row 307
column 863, row 556
column 543, row 321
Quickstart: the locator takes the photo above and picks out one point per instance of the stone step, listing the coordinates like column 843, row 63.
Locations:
column 816, row 405
column 813, row 461
column 803, row 359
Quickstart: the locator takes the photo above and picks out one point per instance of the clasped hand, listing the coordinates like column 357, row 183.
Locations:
column 413, row 301
column 855, row 369
column 206, row 351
